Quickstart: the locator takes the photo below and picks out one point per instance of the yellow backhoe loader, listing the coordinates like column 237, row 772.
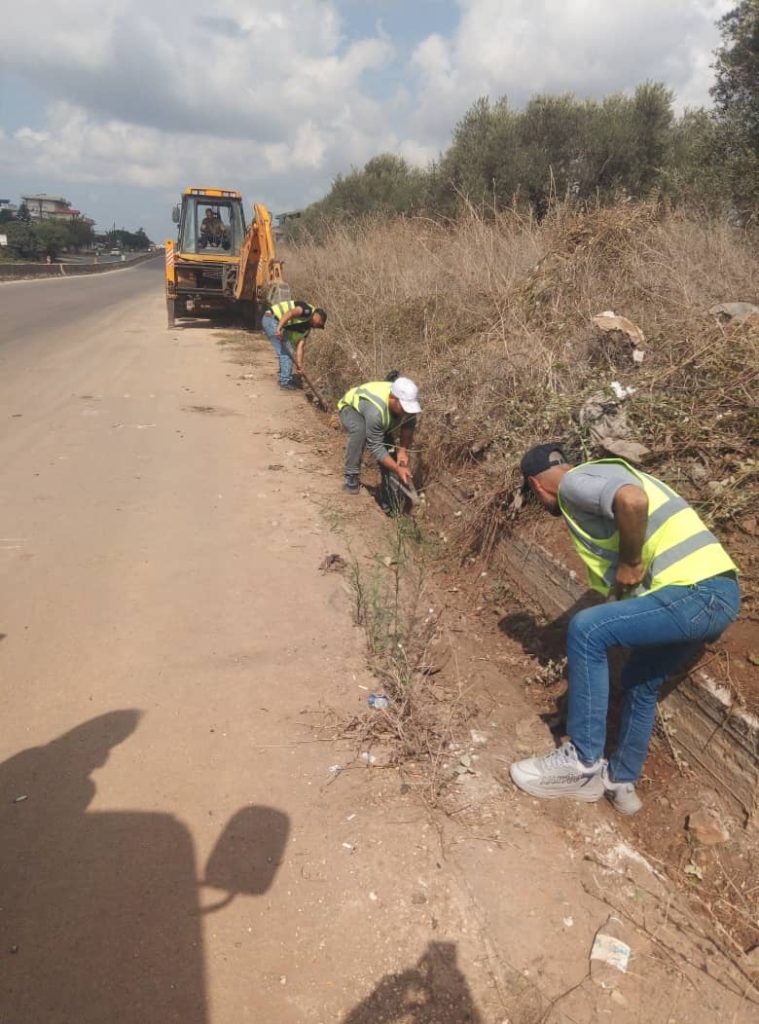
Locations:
column 217, row 264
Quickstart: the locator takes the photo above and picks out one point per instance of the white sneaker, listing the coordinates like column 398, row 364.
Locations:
column 560, row 773
column 621, row 795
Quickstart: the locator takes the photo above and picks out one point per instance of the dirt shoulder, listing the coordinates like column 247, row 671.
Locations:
column 528, row 884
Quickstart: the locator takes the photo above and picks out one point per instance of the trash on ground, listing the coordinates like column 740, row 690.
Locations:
column 367, row 758
column 610, row 954
column 333, row 563
column 20, row 799
column 736, row 312
column 378, row 701
column 275, row 466
column 603, row 414
column 622, row 328
column 335, row 768
column 620, row 390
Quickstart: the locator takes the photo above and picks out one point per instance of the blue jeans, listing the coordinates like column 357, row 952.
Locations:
column 283, row 349
column 663, row 630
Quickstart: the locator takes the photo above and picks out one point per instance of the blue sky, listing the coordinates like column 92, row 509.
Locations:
column 119, row 104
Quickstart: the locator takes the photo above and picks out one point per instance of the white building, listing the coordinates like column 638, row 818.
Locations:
column 45, row 207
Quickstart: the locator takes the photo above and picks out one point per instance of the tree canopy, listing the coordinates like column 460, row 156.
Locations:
column 629, row 146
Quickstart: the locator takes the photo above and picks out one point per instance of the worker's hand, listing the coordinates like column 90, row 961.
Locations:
column 404, row 475
column 299, row 368
column 280, row 335
column 629, row 576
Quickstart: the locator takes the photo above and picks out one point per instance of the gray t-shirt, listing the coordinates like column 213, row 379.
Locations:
column 375, row 432
column 588, row 493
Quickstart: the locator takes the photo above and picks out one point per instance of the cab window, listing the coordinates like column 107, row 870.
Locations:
column 212, row 226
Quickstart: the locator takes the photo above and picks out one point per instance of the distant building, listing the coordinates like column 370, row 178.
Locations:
column 45, row 207
column 7, row 206
column 282, row 224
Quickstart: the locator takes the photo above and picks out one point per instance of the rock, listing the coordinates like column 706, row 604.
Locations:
column 630, row 451
column 735, row 312
column 706, row 827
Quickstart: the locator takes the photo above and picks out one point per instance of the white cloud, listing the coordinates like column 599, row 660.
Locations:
column 592, row 47
column 250, row 70
column 277, row 99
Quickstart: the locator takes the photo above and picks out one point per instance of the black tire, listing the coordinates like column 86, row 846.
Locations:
column 171, row 309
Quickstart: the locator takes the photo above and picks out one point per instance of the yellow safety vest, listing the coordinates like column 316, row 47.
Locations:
column 296, row 328
column 377, row 392
column 678, row 549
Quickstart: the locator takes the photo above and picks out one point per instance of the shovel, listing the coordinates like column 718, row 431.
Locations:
column 410, row 491
column 317, row 395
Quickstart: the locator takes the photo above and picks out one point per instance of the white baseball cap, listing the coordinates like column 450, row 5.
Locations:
column 407, row 393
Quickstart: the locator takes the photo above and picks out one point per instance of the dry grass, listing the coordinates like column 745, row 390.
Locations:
column 405, row 648
column 493, row 319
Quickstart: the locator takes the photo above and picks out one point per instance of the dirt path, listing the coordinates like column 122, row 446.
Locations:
column 175, row 842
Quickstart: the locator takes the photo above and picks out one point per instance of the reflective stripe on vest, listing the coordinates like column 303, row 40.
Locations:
column 297, row 327
column 678, row 549
column 377, row 392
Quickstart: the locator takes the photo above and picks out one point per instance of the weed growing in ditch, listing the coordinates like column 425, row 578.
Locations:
column 407, row 650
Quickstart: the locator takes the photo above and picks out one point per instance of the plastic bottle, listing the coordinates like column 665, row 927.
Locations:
column 610, row 953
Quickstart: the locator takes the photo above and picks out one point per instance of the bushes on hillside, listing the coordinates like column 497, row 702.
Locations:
column 561, row 146
column 492, row 315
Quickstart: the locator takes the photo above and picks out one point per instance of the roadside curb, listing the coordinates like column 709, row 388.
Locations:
column 34, row 271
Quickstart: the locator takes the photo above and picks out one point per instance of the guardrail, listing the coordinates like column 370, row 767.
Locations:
column 26, row 271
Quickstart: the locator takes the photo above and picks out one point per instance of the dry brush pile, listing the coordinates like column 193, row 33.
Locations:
column 493, row 317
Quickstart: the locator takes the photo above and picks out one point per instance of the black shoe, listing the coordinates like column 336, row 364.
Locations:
column 352, row 485
column 287, row 387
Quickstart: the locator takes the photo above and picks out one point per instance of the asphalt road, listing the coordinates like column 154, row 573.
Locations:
column 34, row 312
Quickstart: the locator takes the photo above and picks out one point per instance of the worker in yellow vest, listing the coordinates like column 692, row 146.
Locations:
column 381, row 415
column 670, row 586
column 287, row 326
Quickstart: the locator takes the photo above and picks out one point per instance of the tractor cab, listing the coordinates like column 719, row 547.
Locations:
column 211, row 223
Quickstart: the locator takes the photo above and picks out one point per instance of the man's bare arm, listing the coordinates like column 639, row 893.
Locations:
column 631, row 516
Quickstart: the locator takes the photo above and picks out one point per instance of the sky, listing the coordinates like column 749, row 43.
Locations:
column 120, row 104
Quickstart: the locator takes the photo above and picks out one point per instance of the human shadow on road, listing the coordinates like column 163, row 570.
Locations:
column 100, row 918
column 433, row 991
